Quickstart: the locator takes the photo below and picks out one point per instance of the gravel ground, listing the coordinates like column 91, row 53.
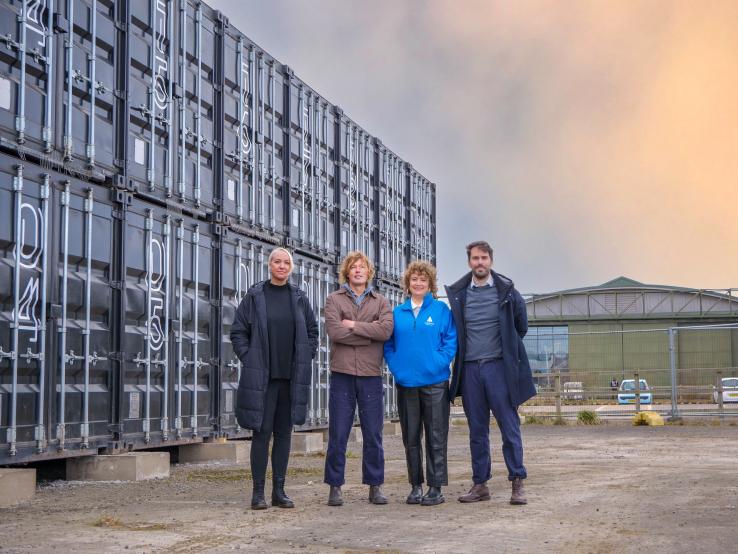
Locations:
column 605, row 488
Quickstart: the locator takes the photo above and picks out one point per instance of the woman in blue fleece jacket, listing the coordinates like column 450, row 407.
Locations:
column 419, row 354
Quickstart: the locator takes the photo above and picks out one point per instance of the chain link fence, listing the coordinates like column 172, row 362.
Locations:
column 675, row 371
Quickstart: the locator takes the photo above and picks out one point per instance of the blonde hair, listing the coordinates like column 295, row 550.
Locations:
column 281, row 249
column 425, row 269
column 350, row 259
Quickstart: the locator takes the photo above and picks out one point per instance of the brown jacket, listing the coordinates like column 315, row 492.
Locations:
column 358, row 351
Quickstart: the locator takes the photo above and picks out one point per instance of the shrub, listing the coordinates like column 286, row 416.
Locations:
column 588, row 417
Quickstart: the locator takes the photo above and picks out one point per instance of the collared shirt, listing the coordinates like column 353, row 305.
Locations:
column 490, row 282
column 415, row 307
column 358, row 299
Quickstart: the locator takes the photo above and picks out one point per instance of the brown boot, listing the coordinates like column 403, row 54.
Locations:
column 476, row 493
column 518, row 492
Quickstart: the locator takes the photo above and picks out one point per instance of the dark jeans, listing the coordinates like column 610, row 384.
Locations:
column 425, row 408
column 346, row 391
column 277, row 421
column 483, row 387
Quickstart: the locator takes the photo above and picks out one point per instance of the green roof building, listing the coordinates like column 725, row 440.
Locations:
column 610, row 331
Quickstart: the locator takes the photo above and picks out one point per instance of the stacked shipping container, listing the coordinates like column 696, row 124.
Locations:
column 152, row 157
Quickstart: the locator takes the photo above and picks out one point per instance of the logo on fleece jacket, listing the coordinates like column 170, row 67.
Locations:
column 429, row 321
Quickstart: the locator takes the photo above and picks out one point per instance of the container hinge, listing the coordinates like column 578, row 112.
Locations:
column 117, row 285
column 222, row 18
column 215, row 302
column 10, row 44
column 116, row 356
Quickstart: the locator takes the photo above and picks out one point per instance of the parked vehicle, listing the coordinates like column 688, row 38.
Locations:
column 573, row 390
column 730, row 390
column 627, row 394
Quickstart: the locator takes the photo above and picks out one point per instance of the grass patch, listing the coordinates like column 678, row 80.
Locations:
column 559, row 421
column 534, row 420
column 588, row 417
column 458, row 421
column 112, row 522
column 352, row 455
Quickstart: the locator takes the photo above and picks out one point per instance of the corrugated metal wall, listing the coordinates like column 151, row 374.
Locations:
column 151, row 156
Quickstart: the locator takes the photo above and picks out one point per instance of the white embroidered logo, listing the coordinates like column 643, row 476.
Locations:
column 429, row 321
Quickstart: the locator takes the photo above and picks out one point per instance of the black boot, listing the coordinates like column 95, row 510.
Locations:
column 279, row 497
column 335, row 498
column 257, row 497
column 416, row 495
column 376, row 496
column 433, row 497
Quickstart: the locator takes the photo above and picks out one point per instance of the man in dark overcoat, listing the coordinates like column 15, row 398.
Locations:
column 491, row 369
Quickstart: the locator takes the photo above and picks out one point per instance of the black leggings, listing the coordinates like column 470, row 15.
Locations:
column 278, row 421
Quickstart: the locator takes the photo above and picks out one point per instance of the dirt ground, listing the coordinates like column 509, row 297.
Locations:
column 606, row 488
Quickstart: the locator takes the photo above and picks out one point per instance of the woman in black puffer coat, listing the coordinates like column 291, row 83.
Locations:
column 275, row 335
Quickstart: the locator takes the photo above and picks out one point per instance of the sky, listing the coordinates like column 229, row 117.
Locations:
column 583, row 140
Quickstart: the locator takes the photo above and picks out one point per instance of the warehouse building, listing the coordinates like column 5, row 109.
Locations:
column 151, row 157
column 592, row 335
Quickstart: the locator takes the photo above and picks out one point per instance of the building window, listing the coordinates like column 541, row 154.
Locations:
column 547, row 348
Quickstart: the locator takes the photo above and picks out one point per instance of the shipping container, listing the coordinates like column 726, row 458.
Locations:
column 151, row 158
column 57, row 329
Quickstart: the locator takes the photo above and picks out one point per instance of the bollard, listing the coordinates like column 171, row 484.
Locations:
column 720, row 393
column 557, row 388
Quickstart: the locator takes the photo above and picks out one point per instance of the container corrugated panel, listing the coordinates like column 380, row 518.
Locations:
column 317, row 280
column 393, row 215
column 154, row 99
column 422, row 212
column 356, row 186
column 312, row 128
column 253, row 141
column 56, row 331
column 58, row 84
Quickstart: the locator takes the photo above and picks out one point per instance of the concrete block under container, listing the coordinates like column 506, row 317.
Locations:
column 16, row 486
column 392, row 428
column 133, row 466
column 307, row 443
column 354, row 436
column 232, row 451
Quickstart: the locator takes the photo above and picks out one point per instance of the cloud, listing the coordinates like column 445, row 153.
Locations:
column 584, row 140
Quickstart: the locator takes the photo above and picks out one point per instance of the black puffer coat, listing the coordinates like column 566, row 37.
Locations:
column 250, row 341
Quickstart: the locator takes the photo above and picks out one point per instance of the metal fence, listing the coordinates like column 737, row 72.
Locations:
column 675, row 371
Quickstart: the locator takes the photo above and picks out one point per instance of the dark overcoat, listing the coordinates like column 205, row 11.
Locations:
column 513, row 327
column 250, row 340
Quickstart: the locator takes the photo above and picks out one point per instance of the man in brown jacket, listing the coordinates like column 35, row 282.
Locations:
column 358, row 321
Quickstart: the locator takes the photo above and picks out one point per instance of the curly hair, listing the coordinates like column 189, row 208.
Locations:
column 426, row 269
column 350, row 259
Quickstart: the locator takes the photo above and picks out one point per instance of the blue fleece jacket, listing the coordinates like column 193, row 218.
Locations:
column 421, row 349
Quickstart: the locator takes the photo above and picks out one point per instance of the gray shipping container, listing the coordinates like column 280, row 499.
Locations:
column 151, row 157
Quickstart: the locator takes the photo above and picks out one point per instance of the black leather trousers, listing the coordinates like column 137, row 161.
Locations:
column 425, row 409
